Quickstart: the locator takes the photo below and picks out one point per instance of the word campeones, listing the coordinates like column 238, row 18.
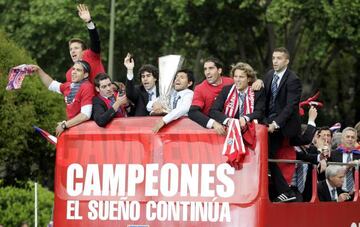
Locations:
column 168, row 180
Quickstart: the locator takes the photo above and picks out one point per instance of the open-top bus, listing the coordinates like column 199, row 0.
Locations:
column 125, row 175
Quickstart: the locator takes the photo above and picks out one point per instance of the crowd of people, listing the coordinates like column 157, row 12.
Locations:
column 89, row 93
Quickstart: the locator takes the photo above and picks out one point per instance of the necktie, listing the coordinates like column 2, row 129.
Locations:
column 300, row 181
column 333, row 191
column 175, row 101
column 151, row 95
column 242, row 100
column 274, row 90
column 112, row 100
column 349, row 177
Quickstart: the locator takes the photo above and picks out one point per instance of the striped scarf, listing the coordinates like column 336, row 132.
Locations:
column 341, row 148
column 231, row 105
column 238, row 142
column 74, row 88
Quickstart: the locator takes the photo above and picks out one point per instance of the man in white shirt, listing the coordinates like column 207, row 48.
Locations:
column 180, row 100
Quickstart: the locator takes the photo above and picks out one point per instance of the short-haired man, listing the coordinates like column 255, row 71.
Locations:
column 205, row 94
column 108, row 104
column 180, row 100
column 283, row 92
column 330, row 190
column 346, row 152
column 78, row 94
column 147, row 91
column 77, row 47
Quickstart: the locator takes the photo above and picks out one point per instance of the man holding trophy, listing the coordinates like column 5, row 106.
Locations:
column 180, row 99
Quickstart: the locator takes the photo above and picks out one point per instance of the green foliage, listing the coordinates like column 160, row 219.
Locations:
column 24, row 154
column 17, row 205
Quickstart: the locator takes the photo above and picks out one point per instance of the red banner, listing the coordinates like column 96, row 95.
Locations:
column 127, row 175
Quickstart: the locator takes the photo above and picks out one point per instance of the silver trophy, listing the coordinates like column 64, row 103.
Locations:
column 168, row 66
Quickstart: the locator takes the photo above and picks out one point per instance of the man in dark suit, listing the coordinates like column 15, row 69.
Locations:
column 107, row 104
column 140, row 95
column 283, row 92
column 346, row 152
column 330, row 189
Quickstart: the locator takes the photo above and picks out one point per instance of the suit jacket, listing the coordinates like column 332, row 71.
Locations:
column 323, row 191
column 100, row 112
column 336, row 156
column 217, row 109
column 139, row 96
column 309, row 154
column 286, row 103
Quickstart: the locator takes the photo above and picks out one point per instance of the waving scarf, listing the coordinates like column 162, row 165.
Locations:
column 17, row 75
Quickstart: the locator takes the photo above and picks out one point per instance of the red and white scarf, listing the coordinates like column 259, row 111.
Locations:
column 231, row 105
column 234, row 147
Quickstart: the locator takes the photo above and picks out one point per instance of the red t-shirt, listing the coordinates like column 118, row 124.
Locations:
column 205, row 94
column 83, row 97
column 95, row 63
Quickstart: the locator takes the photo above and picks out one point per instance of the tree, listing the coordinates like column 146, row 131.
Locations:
column 23, row 154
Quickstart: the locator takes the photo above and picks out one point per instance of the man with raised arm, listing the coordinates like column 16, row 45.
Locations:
column 147, row 91
column 78, row 94
column 77, row 47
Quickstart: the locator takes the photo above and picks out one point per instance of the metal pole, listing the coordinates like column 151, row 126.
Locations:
column 111, row 40
column 36, row 206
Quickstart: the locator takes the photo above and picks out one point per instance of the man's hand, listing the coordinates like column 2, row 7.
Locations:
column 157, row 108
column 219, row 128
column 59, row 129
column 119, row 101
column 271, row 128
column 322, row 165
column 158, row 126
column 344, row 197
column 257, row 85
column 129, row 62
column 242, row 122
column 84, row 13
column 312, row 113
column 35, row 68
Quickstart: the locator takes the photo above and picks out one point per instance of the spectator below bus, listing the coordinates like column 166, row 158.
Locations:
column 147, row 91
column 346, row 152
column 77, row 47
column 330, row 190
column 283, row 92
column 108, row 104
column 316, row 153
column 180, row 100
column 78, row 94
column 239, row 100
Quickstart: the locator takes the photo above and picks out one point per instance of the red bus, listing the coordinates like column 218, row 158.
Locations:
column 125, row 175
